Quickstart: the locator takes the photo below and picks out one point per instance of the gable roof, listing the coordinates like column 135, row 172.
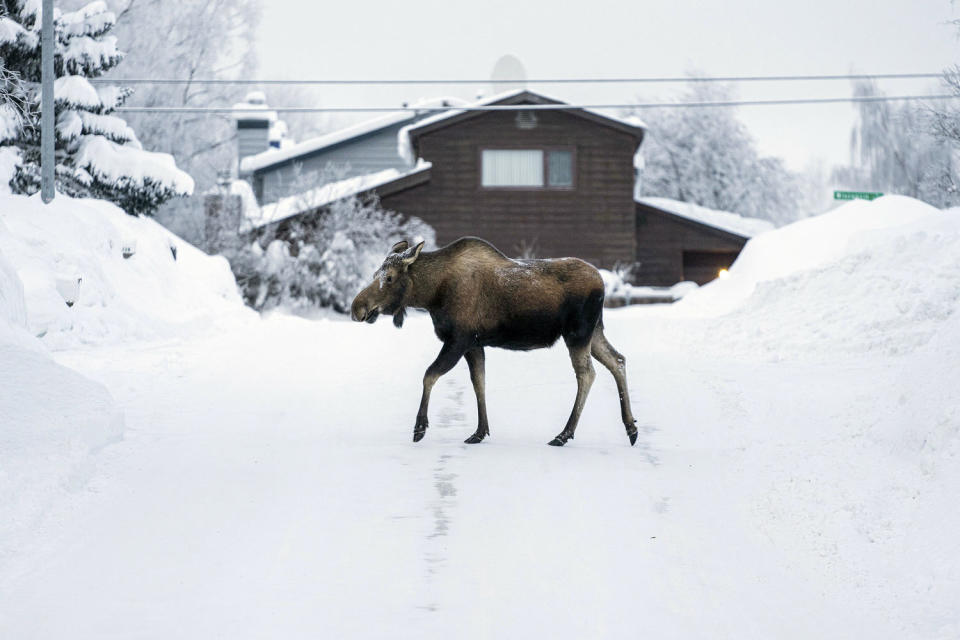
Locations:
column 722, row 221
column 273, row 157
column 408, row 135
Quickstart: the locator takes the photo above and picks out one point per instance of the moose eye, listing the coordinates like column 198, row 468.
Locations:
column 389, row 279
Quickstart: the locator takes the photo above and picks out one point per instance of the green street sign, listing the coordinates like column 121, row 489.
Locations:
column 855, row 195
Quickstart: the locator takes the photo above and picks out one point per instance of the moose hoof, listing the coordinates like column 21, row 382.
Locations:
column 419, row 433
column 632, row 434
column 558, row 442
column 474, row 439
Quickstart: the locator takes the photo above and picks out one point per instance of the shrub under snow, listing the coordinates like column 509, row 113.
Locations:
column 323, row 259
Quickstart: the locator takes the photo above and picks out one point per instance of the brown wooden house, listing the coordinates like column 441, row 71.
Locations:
column 545, row 183
column 537, row 182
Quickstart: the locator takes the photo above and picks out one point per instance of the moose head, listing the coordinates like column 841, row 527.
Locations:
column 387, row 293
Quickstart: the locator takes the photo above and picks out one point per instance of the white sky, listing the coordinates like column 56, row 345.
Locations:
column 604, row 38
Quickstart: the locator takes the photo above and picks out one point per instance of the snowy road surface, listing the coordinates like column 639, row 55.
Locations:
column 267, row 487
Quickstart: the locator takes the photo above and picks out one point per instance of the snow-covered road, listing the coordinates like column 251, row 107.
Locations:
column 267, row 487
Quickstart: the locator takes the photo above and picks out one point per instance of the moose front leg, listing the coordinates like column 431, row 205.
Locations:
column 450, row 354
column 580, row 357
column 475, row 360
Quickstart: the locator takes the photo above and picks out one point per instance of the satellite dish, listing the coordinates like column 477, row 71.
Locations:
column 508, row 75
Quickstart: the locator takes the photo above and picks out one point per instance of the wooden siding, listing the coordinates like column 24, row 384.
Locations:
column 662, row 238
column 595, row 220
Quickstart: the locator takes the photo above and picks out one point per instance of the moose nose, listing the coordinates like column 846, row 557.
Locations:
column 359, row 310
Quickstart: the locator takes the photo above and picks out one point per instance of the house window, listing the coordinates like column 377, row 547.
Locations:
column 527, row 168
column 560, row 168
column 512, row 168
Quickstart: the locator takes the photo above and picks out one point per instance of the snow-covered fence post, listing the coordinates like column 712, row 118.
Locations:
column 47, row 190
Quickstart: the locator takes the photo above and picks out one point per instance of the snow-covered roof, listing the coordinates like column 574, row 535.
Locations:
column 274, row 156
column 723, row 220
column 327, row 194
column 405, row 145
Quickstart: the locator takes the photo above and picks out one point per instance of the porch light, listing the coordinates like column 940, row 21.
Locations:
column 723, row 273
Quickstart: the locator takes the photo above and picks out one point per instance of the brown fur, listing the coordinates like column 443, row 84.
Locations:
column 477, row 297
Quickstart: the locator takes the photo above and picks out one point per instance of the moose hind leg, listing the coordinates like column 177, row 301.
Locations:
column 475, row 360
column 610, row 358
column 449, row 356
column 583, row 367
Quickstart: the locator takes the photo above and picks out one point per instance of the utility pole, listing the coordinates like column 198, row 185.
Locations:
column 47, row 159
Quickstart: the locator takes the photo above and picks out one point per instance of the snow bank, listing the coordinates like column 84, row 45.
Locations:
column 732, row 222
column 72, row 251
column 867, row 276
column 13, row 312
column 53, row 419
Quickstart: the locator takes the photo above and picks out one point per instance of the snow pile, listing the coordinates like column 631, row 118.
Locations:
column 123, row 277
column 868, row 276
column 732, row 222
column 327, row 194
column 13, row 312
column 53, row 419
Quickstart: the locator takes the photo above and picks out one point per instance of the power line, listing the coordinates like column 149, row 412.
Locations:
column 543, row 107
column 427, row 81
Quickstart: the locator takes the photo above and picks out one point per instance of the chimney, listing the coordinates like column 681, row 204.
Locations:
column 254, row 119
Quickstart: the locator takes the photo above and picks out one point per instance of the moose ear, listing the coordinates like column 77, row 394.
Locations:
column 412, row 254
column 400, row 246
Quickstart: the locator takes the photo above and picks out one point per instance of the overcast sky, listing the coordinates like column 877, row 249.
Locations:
column 602, row 38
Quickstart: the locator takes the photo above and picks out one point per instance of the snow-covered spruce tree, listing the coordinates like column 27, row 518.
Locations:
column 98, row 154
column 14, row 105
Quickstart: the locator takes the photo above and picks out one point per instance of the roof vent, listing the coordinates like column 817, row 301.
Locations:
column 526, row 120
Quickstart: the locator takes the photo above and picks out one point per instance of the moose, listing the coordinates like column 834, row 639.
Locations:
column 478, row 297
